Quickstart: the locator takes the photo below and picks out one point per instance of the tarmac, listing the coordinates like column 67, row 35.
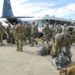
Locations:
column 28, row 62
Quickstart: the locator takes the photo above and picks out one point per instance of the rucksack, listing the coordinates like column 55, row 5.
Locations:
column 42, row 50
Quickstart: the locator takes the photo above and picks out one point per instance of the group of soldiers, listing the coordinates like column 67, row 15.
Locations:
column 23, row 32
column 19, row 34
column 58, row 39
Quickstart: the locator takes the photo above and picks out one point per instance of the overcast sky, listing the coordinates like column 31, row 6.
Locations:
column 39, row 8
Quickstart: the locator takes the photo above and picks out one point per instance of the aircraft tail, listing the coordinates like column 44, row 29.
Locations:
column 7, row 9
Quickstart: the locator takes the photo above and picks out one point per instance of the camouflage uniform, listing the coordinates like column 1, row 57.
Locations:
column 28, row 33
column 33, row 34
column 66, row 29
column 19, row 37
column 73, row 36
column 55, row 28
column 8, row 33
column 68, row 46
column 57, row 45
column 64, row 56
column 59, row 28
column 1, row 34
column 12, row 38
column 55, row 51
column 47, row 33
column 67, row 41
column 61, row 49
column 25, row 34
column 54, row 31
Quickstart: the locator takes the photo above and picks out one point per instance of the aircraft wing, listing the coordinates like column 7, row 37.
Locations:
column 17, row 17
column 23, row 17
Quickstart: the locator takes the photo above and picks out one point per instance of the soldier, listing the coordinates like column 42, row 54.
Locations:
column 59, row 52
column 25, row 33
column 8, row 33
column 33, row 34
column 67, row 41
column 59, row 28
column 55, row 28
column 65, row 54
column 1, row 34
column 19, row 36
column 57, row 44
column 66, row 29
column 54, row 31
column 12, row 39
column 68, row 46
column 46, row 31
column 28, row 33
column 73, row 36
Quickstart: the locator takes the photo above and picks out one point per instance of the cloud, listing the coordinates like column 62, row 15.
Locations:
column 65, row 11
column 38, row 9
column 22, row 9
column 62, row 12
column 41, row 9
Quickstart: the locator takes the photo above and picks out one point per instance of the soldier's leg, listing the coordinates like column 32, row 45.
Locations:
column 47, row 38
column 17, row 43
column 68, row 52
column 32, row 41
column 24, row 37
column 35, row 42
column 25, row 40
column 43, row 39
column 21, row 44
column 47, row 41
column 29, row 38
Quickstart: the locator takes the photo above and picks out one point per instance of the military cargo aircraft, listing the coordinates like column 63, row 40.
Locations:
column 8, row 13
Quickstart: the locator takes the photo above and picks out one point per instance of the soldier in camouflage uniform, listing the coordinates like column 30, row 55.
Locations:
column 56, row 46
column 12, row 38
column 59, row 28
column 1, row 34
column 25, row 33
column 53, row 31
column 61, row 49
column 28, row 33
column 66, row 29
column 19, row 36
column 47, row 33
column 8, row 33
column 33, row 34
column 56, row 49
column 73, row 36
column 67, row 41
